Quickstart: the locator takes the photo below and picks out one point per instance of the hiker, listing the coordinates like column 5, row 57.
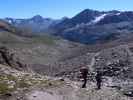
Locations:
column 98, row 78
column 84, row 72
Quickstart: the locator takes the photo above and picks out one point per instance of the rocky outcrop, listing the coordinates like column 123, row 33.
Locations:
column 8, row 57
column 115, row 61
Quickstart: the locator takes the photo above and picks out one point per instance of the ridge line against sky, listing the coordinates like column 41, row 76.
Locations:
column 58, row 8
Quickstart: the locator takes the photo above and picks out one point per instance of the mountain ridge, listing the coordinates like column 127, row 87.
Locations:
column 87, row 27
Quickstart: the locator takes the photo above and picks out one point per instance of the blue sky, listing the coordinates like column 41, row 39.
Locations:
column 58, row 8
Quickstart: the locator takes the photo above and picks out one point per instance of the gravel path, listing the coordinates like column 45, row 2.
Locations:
column 72, row 91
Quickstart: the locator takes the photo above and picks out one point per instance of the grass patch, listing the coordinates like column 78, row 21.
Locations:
column 22, row 84
column 11, row 78
column 10, row 83
column 51, row 83
column 44, row 39
column 4, row 88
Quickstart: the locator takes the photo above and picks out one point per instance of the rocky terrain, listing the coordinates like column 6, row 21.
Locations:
column 16, row 85
column 55, row 76
column 47, row 67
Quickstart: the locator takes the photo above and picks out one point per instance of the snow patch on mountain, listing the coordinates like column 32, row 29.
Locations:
column 10, row 21
column 118, row 14
column 97, row 19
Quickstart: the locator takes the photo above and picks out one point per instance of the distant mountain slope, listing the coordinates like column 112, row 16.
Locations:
column 83, row 17
column 5, row 26
column 92, row 34
column 87, row 27
column 36, row 24
column 91, row 27
column 41, row 51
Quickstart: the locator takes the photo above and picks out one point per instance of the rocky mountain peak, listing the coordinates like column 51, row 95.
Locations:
column 85, row 16
column 37, row 18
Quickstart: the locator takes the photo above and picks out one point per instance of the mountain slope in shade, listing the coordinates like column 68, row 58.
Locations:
column 91, row 27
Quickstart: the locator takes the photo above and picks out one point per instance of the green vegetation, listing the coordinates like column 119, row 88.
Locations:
column 11, row 78
column 51, row 83
column 10, row 38
column 5, row 85
column 22, row 84
column 49, row 40
column 10, row 83
column 4, row 88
